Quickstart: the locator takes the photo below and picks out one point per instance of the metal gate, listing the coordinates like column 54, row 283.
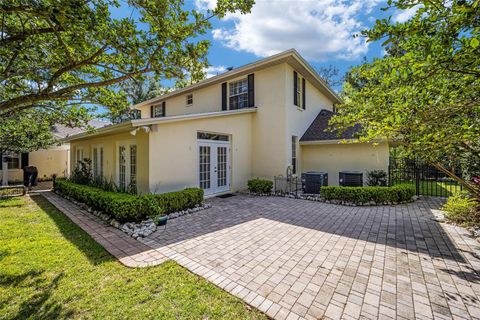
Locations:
column 428, row 180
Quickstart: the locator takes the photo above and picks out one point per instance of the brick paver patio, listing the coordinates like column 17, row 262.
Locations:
column 300, row 259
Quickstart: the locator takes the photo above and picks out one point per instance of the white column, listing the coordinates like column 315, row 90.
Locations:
column 4, row 173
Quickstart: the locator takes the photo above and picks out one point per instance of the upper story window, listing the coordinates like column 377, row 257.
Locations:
column 238, row 94
column 298, row 90
column 189, row 99
column 158, row 110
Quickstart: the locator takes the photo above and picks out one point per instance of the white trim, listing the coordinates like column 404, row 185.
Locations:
column 340, row 141
column 214, row 145
column 148, row 121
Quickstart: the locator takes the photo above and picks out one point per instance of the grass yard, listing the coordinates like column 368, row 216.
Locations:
column 50, row 268
column 436, row 188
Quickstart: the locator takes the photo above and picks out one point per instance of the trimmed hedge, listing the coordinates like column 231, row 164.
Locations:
column 127, row 207
column 261, row 186
column 362, row 195
column 178, row 200
column 121, row 206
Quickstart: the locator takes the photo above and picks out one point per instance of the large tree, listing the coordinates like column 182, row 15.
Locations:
column 60, row 58
column 424, row 92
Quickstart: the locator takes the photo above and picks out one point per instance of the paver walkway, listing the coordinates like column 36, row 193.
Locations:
column 301, row 259
column 129, row 251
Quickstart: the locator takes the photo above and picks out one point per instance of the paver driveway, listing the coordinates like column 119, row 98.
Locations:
column 303, row 259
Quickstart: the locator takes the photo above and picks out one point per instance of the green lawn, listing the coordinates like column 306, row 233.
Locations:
column 50, row 268
column 435, row 188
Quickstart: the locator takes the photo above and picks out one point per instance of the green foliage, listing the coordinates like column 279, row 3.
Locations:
column 121, row 206
column 178, row 200
column 376, row 178
column 260, row 186
column 461, row 208
column 82, row 174
column 128, row 207
column 64, row 58
column 363, row 195
column 424, row 91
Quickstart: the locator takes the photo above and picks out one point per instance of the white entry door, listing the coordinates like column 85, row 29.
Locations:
column 214, row 166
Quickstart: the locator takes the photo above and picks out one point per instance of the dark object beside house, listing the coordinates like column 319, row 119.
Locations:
column 30, row 174
column 313, row 180
column 350, row 179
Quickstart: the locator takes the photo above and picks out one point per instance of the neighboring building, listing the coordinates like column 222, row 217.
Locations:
column 52, row 161
column 253, row 121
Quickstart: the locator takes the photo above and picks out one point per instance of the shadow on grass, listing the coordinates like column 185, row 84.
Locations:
column 38, row 306
column 94, row 252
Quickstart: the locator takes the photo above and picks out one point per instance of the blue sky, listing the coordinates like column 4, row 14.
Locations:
column 321, row 30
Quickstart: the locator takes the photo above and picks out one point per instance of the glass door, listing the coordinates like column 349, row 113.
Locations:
column 214, row 166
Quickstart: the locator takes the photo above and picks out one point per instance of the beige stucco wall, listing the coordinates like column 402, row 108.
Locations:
column 268, row 124
column 54, row 160
column 333, row 158
column 298, row 120
column 110, row 155
column 174, row 155
column 207, row 99
column 51, row 161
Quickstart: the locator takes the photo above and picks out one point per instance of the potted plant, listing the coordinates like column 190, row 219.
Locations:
column 161, row 220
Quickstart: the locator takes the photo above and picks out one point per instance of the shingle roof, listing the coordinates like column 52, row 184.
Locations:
column 317, row 130
column 61, row 131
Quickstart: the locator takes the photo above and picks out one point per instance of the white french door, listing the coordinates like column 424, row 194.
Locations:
column 214, row 166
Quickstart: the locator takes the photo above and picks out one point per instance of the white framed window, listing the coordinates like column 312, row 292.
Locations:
column 158, row 111
column 127, row 166
column 97, row 161
column 238, row 94
column 79, row 155
column 189, row 99
column 299, row 91
column 13, row 160
column 294, row 154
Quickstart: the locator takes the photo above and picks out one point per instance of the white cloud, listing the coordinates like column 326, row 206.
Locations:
column 317, row 29
column 214, row 70
column 405, row 15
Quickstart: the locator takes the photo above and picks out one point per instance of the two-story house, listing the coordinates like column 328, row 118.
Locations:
column 252, row 121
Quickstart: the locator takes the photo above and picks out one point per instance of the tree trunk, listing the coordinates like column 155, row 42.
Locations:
column 471, row 188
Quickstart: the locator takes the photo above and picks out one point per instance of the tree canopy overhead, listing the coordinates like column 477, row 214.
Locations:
column 60, row 56
column 425, row 91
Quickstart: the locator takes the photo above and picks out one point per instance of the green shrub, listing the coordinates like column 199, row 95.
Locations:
column 376, row 178
column 257, row 185
column 362, row 195
column 128, row 207
column 178, row 200
column 121, row 206
column 461, row 208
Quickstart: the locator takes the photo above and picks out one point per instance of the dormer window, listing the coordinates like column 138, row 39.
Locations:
column 189, row 99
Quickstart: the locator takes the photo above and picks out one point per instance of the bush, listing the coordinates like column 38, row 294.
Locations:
column 260, row 185
column 178, row 200
column 461, row 208
column 376, row 178
column 362, row 195
column 128, row 207
column 121, row 206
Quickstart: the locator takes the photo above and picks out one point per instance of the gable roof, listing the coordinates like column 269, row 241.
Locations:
column 290, row 56
column 317, row 130
column 61, row 131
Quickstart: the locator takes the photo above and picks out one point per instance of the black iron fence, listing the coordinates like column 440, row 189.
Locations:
column 428, row 180
column 287, row 185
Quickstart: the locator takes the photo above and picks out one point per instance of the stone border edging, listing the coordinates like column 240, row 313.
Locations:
column 133, row 229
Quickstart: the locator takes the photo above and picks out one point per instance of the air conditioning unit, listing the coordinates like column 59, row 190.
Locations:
column 313, row 180
column 350, row 179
